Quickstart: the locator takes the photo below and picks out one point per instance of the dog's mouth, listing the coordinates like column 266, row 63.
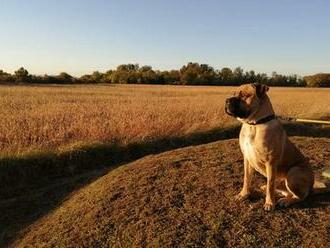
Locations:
column 228, row 112
column 233, row 108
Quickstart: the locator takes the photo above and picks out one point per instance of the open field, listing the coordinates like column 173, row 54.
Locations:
column 57, row 140
column 49, row 118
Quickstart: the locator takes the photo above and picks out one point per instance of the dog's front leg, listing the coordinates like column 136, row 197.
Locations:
column 270, row 187
column 248, row 174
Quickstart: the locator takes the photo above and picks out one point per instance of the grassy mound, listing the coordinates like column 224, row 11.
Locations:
column 183, row 198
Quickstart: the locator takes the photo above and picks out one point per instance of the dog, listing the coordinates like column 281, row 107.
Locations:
column 267, row 149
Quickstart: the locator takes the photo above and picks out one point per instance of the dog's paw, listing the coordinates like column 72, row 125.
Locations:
column 284, row 202
column 269, row 206
column 242, row 196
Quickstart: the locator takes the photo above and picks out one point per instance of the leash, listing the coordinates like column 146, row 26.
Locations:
column 284, row 118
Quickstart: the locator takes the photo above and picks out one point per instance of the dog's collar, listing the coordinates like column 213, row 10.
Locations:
column 262, row 120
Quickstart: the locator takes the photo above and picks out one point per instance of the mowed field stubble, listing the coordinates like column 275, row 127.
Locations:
column 50, row 118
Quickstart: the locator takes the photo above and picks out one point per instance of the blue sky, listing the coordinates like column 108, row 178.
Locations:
column 81, row 36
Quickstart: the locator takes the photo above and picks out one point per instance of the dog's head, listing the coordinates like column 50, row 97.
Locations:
column 246, row 100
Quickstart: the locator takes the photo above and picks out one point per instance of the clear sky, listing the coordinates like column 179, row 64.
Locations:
column 80, row 36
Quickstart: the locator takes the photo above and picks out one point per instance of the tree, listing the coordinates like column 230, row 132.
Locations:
column 197, row 74
column 226, row 76
column 145, row 68
column 250, row 77
column 6, row 77
column 65, row 78
column 97, row 76
column 150, row 77
column 107, row 76
column 238, row 76
column 318, row 80
column 262, row 78
column 128, row 67
column 170, row 77
column 119, row 76
column 22, row 76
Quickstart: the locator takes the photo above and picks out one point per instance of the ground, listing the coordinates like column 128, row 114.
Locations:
column 179, row 198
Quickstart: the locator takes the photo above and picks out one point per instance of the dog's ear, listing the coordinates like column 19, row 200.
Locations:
column 261, row 89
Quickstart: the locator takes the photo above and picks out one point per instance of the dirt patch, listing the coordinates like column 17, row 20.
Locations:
column 184, row 198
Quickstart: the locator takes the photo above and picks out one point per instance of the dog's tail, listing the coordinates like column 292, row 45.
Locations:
column 320, row 188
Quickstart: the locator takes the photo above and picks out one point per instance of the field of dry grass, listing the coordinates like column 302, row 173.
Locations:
column 49, row 118
column 55, row 140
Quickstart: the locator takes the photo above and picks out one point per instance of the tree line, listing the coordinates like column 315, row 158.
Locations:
column 190, row 74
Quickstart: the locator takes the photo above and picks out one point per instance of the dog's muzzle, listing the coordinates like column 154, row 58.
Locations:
column 232, row 108
column 232, row 105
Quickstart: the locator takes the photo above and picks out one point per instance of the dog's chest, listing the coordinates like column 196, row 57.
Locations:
column 251, row 151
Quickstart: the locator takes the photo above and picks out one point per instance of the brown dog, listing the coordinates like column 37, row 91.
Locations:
column 266, row 148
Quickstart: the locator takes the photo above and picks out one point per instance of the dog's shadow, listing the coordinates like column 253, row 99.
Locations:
column 314, row 201
column 311, row 202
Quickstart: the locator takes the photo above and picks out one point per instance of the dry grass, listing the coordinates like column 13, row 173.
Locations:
column 67, row 135
column 181, row 198
column 48, row 118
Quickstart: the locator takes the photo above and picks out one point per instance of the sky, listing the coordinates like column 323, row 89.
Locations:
column 81, row 36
